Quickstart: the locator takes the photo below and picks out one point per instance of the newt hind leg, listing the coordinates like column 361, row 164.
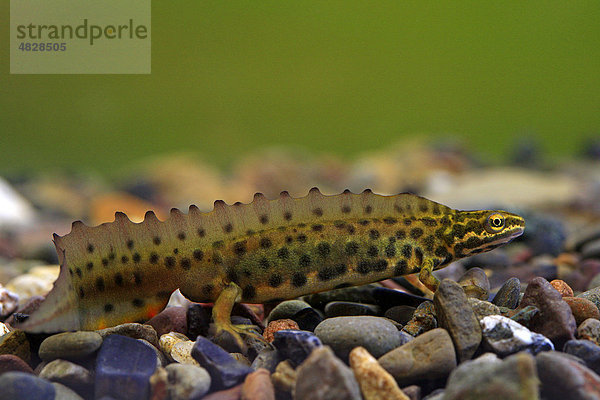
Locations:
column 221, row 315
column 426, row 276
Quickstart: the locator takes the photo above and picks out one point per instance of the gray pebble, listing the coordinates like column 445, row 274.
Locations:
column 187, row 382
column 69, row 374
column 132, row 330
column 375, row 334
column 456, row 316
column 322, row 376
column 508, row 294
column 286, row 310
column 70, row 345
column 487, row 377
column 428, row 356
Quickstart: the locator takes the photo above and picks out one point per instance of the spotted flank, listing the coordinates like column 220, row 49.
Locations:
column 269, row 249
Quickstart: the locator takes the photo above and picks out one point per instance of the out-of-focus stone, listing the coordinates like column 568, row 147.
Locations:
column 374, row 381
column 562, row 288
column 589, row 330
column 258, row 386
column 488, row 378
column 582, row 309
column 564, row 378
column 16, row 343
column 322, row 376
column 284, row 377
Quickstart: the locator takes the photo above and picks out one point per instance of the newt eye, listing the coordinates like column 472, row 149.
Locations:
column 494, row 223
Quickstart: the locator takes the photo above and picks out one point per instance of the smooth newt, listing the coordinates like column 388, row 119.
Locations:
column 267, row 250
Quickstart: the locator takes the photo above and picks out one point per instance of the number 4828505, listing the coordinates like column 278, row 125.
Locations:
column 26, row 46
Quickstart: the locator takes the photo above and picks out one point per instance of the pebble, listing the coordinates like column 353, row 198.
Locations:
column 69, row 374
column 286, row 310
column 504, row 336
column 161, row 358
column 308, row 319
column 3, row 329
column 171, row 319
column 456, row 316
column 10, row 362
column 562, row 288
column 132, row 330
column 374, row 381
column 589, row 330
column 198, row 320
column 64, row 393
column 187, row 382
column 123, row 368
column 168, row 340
column 342, row 334
column 323, row 376
column 545, row 234
column 595, row 282
column 295, row 346
column 554, row 319
column 224, row 370
column 16, row 343
column 159, row 382
column 70, row 345
column 21, row 385
column 487, row 377
column 508, row 294
column 258, row 386
column 591, row 249
column 582, row 309
column 482, row 308
column 284, row 378
column 562, row 377
column 475, row 283
column 36, row 282
column 348, row 308
column 428, row 356
column 592, row 295
column 588, row 351
column 233, row 393
column 182, row 353
column 278, row 325
column 268, row 359
column 9, row 302
column 400, row 314
column 423, row 319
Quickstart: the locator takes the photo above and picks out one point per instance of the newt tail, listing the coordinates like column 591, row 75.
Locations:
column 266, row 250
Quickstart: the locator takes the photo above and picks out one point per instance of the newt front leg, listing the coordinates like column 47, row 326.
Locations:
column 221, row 315
column 426, row 276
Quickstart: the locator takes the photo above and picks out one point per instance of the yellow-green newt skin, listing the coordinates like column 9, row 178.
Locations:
column 264, row 251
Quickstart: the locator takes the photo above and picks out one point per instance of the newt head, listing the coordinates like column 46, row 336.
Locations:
column 481, row 231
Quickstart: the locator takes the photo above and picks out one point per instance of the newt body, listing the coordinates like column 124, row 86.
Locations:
column 267, row 250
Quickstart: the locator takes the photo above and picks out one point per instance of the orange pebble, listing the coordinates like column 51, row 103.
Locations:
column 278, row 325
column 582, row 309
column 562, row 287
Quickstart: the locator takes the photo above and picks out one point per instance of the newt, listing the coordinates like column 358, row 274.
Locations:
column 264, row 251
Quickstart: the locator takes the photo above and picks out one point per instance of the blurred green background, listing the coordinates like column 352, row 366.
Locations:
column 332, row 76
